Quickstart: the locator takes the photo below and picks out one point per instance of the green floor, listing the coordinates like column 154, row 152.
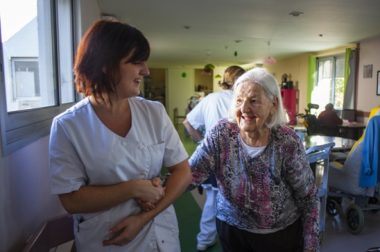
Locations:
column 188, row 211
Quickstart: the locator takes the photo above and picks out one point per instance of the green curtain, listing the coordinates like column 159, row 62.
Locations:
column 346, row 68
column 311, row 77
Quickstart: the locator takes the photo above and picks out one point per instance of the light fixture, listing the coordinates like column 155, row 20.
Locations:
column 237, row 41
column 295, row 13
column 108, row 16
column 269, row 60
column 208, row 68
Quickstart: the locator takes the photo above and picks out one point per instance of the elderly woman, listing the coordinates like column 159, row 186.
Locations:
column 267, row 197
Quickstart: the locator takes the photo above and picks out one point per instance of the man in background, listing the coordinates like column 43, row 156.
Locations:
column 328, row 117
column 205, row 115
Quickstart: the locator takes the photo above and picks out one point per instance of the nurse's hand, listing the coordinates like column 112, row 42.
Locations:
column 149, row 191
column 147, row 205
column 125, row 231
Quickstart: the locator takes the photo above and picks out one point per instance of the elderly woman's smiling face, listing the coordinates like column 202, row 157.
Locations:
column 253, row 108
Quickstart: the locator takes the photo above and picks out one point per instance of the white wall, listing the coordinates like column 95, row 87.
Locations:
column 88, row 12
column 179, row 89
column 25, row 197
column 297, row 67
column 369, row 54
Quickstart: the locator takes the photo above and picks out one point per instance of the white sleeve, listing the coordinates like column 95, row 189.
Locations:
column 196, row 116
column 67, row 171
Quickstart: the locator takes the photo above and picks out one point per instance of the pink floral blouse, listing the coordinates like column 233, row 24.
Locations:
column 261, row 194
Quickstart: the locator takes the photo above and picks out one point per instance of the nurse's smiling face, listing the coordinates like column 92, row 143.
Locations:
column 131, row 75
column 253, row 108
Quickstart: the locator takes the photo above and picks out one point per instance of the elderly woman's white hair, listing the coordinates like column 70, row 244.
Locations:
column 263, row 78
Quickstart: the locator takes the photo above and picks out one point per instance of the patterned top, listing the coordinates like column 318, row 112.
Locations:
column 261, row 194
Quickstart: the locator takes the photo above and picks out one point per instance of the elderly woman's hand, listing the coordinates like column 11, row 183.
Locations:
column 148, row 205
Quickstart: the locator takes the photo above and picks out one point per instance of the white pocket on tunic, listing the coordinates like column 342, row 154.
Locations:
column 91, row 233
column 154, row 155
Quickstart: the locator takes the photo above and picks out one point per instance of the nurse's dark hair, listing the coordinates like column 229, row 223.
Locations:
column 99, row 53
column 230, row 76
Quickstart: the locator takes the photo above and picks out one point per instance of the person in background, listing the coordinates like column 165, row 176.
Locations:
column 106, row 152
column 328, row 117
column 267, row 198
column 204, row 115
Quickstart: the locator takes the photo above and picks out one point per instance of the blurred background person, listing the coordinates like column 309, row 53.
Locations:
column 329, row 117
column 198, row 122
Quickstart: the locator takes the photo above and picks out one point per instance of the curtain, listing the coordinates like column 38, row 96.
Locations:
column 349, row 79
column 347, row 67
column 312, row 72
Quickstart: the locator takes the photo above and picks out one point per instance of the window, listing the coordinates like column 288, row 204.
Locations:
column 330, row 82
column 25, row 78
column 36, row 67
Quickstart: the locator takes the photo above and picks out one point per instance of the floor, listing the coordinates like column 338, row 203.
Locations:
column 338, row 238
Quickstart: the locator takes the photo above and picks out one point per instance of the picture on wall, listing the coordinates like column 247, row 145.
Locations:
column 367, row 71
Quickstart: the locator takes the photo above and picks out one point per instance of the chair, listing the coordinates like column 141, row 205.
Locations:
column 177, row 118
column 310, row 120
column 345, row 175
column 52, row 234
column 318, row 157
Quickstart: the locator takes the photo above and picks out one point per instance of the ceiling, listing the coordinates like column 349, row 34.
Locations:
column 223, row 32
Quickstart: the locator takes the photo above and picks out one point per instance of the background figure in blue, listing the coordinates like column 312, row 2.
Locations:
column 205, row 115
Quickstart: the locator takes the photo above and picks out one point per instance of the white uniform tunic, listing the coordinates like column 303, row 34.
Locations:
column 210, row 110
column 83, row 151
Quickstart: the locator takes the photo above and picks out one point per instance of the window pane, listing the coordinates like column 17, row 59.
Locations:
column 339, row 83
column 329, row 88
column 321, row 94
column 65, row 43
column 27, row 54
column 25, row 77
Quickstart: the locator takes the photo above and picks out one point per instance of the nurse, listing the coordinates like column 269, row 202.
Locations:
column 107, row 151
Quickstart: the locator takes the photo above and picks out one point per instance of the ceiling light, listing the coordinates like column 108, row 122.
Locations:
column 108, row 16
column 269, row 60
column 295, row 13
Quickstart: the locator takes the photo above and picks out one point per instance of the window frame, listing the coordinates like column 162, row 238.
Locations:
column 20, row 128
column 333, row 59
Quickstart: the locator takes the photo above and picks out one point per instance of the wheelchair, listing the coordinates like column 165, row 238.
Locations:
column 344, row 176
column 310, row 120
